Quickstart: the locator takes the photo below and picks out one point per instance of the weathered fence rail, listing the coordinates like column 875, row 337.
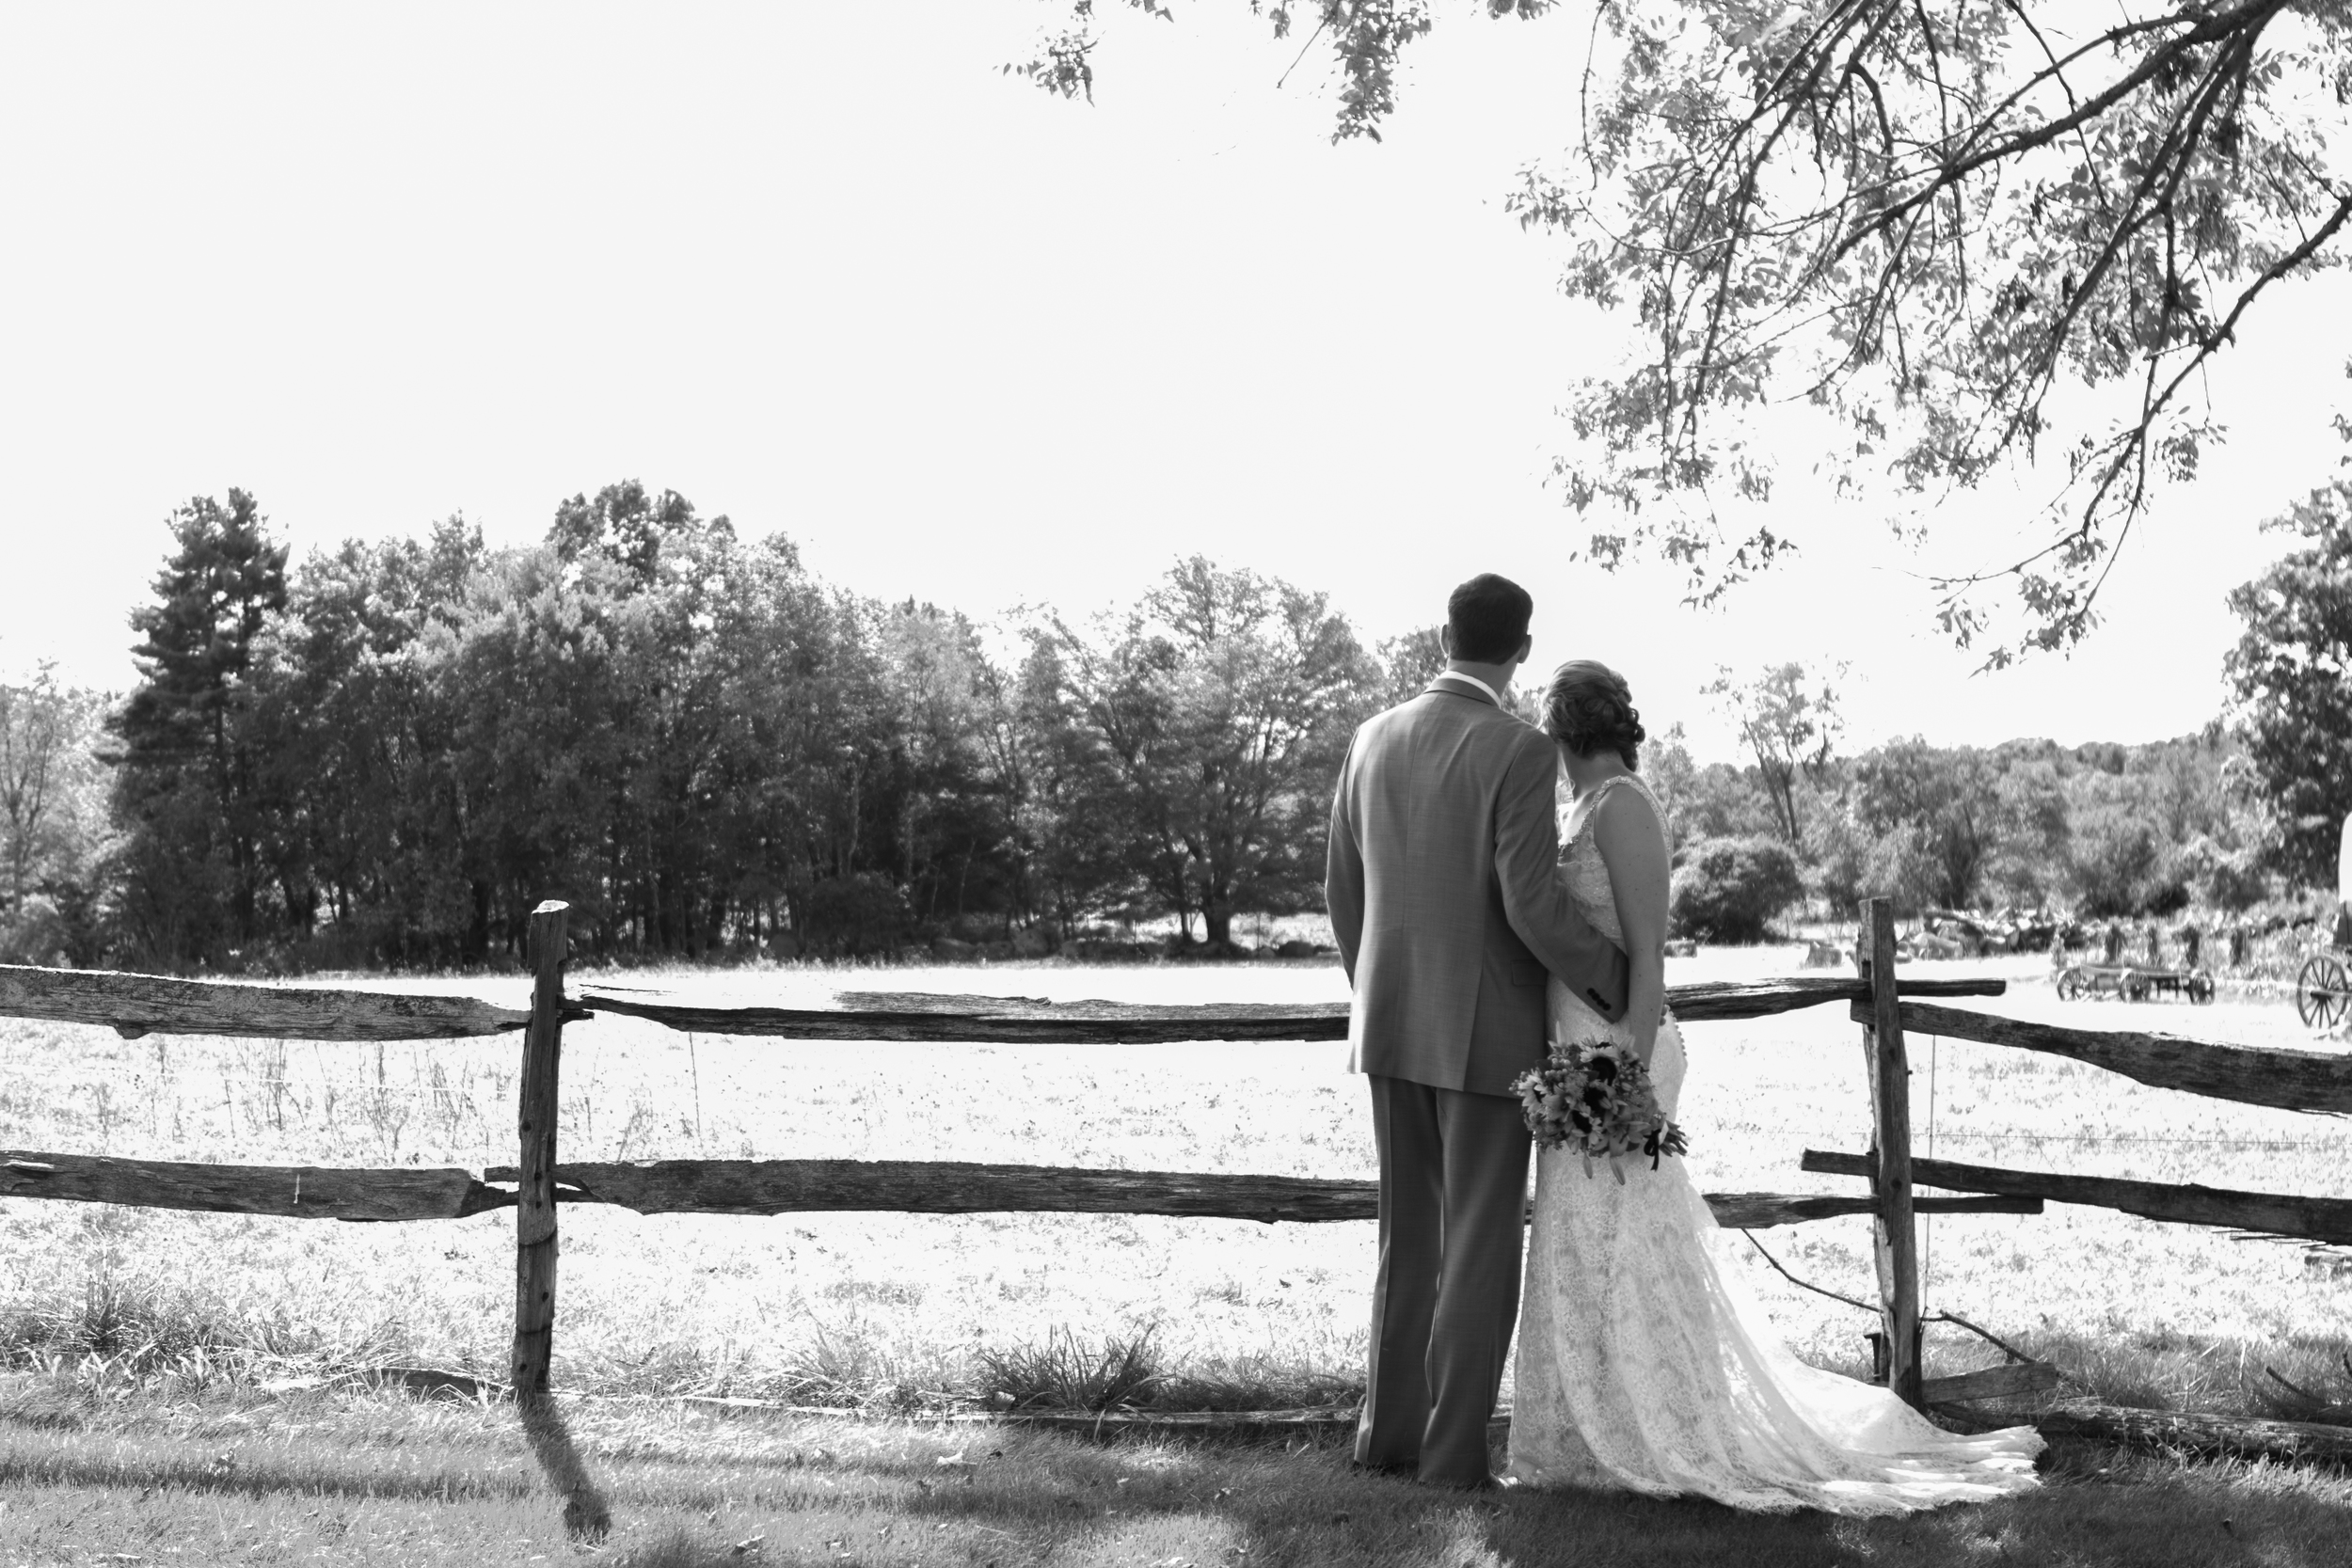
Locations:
column 792, row 1186
column 917, row 1016
column 136, row 1004
column 2283, row 1080
column 293, row 1192
column 2318, row 1219
column 951, row 1187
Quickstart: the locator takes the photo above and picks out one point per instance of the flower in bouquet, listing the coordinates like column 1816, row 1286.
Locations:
column 1597, row 1097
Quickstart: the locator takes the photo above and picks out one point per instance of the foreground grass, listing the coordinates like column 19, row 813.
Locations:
column 370, row 1479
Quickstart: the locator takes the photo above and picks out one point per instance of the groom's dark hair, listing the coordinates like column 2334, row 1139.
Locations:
column 1488, row 616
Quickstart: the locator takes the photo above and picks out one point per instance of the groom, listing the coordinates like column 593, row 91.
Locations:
column 1449, row 915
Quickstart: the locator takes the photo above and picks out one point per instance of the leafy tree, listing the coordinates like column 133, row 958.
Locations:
column 627, row 527
column 36, row 721
column 1843, row 862
column 671, row 719
column 807, row 734
column 1935, row 809
column 2118, row 862
column 526, row 671
column 1076, row 823
column 2291, row 682
column 594, row 691
column 2227, row 858
column 1408, row 662
column 356, row 734
column 1672, row 773
column 53, row 827
column 1790, row 721
column 2033, row 830
column 951, row 828
column 1703, row 800
column 1920, row 220
column 1225, row 702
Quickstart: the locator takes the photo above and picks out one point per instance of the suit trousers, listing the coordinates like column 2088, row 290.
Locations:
column 1453, row 1219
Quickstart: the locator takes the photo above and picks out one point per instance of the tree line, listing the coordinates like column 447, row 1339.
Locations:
column 385, row 754
column 2097, row 831
column 2249, row 810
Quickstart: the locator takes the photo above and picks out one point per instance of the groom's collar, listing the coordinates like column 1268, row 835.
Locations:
column 1481, row 687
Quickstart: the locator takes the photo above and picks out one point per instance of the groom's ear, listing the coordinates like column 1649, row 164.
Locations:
column 1445, row 641
column 1527, row 647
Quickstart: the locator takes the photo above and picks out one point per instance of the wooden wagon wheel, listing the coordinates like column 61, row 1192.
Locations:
column 2201, row 987
column 2070, row 985
column 2322, row 992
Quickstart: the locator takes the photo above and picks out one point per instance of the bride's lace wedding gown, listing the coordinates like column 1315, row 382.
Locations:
column 1645, row 1365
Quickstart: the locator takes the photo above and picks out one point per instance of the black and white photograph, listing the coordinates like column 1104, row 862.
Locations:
column 1177, row 784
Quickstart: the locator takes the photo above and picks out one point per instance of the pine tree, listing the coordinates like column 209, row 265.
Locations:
column 187, row 785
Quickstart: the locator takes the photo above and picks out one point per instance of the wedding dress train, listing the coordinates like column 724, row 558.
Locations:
column 1646, row 1365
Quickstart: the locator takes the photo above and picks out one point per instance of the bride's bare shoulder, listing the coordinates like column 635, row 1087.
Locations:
column 1629, row 815
column 1625, row 798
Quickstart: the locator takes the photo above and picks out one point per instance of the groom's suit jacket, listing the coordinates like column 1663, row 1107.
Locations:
column 1444, row 898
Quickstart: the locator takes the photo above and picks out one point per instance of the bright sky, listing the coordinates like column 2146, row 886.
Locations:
column 823, row 269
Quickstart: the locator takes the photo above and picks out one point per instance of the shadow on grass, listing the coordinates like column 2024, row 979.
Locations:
column 689, row 1489
column 2301, row 1377
column 168, row 1463
column 1056, row 1502
column 587, row 1516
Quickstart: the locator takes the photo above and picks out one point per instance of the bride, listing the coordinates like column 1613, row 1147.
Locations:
column 1643, row 1365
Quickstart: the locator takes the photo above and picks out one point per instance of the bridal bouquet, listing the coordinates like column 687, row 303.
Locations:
column 1597, row 1097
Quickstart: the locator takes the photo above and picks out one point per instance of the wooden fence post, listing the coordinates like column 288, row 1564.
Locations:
column 534, row 1212
column 1897, row 1249
column 587, row 1515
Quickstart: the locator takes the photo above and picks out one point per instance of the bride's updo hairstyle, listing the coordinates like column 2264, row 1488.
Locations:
column 1589, row 709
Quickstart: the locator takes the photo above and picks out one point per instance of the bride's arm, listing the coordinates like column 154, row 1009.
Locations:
column 1634, row 846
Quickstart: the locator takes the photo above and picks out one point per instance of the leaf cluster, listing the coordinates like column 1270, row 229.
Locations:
column 2291, row 680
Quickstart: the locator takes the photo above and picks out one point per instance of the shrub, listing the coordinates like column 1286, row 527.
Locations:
column 855, row 914
column 34, row 934
column 2230, row 879
column 1727, row 889
column 1063, row 1373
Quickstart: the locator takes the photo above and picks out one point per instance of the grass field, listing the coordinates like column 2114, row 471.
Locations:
column 171, row 1314
column 902, row 1308
column 369, row 1481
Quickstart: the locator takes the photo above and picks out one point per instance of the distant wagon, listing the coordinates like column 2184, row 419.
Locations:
column 2133, row 982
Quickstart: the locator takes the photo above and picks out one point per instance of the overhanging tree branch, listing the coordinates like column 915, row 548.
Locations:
column 1921, row 218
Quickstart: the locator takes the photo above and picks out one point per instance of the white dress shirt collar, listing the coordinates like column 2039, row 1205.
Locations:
column 1473, row 680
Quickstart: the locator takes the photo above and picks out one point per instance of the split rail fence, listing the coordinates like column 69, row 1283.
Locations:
column 1886, row 1007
